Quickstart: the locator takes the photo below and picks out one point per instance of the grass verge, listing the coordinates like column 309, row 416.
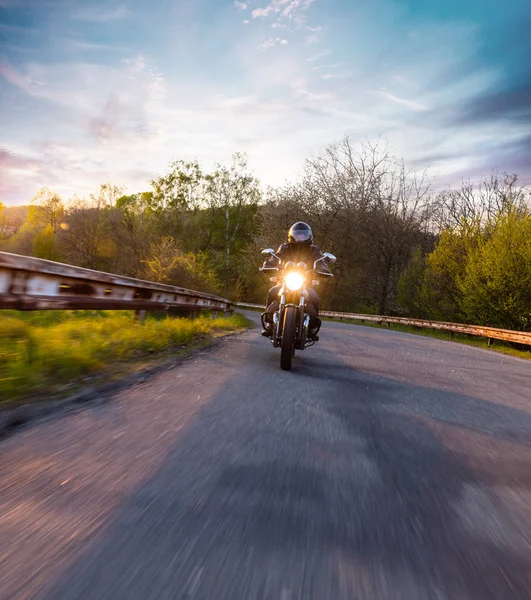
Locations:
column 478, row 342
column 44, row 351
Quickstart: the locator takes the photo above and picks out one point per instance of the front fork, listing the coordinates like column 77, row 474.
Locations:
column 302, row 323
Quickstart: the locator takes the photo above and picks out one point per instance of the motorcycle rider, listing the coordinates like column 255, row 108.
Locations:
column 299, row 248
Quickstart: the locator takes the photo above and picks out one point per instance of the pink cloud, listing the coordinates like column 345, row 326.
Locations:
column 16, row 172
column 8, row 72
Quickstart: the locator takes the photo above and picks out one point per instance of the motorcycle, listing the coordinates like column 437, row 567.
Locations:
column 291, row 321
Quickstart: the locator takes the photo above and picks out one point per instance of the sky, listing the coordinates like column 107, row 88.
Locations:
column 95, row 91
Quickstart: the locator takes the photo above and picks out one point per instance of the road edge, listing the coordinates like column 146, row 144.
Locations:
column 14, row 419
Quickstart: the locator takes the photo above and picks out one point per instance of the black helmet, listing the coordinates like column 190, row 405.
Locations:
column 300, row 233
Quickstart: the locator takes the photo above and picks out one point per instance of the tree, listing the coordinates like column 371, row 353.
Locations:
column 166, row 263
column 133, row 228
column 478, row 204
column 441, row 295
column 46, row 210
column 180, row 188
column 232, row 196
column 33, row 230
column 44, row 244
column 409, row 291
column 367, row 208
column 496, row 284
column 88, row 238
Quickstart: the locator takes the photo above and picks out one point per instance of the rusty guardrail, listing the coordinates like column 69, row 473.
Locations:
column 491, row 333
column 28, row 283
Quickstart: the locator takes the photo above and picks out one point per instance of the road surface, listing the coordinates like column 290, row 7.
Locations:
column 384, row 466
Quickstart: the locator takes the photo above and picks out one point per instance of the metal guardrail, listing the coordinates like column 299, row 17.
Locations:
column 34, row 284
column 491, row 333
column 28, row 283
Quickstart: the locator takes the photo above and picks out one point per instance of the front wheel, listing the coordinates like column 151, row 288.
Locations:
column 288, row 337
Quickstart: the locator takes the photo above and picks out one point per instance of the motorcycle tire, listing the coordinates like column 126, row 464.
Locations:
column 289, row 329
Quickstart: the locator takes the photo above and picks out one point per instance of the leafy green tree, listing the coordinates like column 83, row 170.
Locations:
column 133, row 228
column 180, row 188
column 496, row 284
column 44, row 244
column 176, row 198
column 440, row 294
column 166, row 263
column 233, row 195
column 46, row 210
column 410, row 285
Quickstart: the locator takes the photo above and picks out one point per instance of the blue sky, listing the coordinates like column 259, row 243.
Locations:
column 93, row 92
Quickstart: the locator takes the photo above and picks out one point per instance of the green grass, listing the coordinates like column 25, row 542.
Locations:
column 45, row 349
column 478, row 342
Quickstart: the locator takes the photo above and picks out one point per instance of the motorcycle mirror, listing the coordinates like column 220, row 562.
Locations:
column 268, row 251
column 330, row 257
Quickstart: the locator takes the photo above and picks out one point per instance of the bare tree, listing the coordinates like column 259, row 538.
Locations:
column 475, row 204
column 87, row 238
column 366, row 207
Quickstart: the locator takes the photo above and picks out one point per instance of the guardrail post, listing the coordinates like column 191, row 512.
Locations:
column 141, row 314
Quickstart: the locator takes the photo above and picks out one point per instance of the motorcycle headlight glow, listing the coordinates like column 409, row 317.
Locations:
column 294, row 281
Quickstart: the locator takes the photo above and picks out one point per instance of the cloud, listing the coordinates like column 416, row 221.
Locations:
column 17, row 162
column 379, row 72
column 92, row 46
column 514, row 104
column 8, row 72
column 271, row 42
column 289, row 16
column 16, row 169
column 285, row 10
column 100, row 15
column 319, row 56
column 105, row 113
column 262, row 12
column 392, row 98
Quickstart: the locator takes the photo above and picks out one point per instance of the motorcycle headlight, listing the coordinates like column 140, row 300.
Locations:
column 294, row 281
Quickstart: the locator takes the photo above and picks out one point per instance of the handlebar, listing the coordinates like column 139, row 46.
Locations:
column 309, row 271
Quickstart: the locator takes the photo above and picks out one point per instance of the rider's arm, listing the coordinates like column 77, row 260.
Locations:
column 321, row 266
column 273, row 261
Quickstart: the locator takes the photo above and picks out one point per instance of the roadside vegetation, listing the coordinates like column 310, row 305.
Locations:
column 43, row 350
column 405, row 246
column 478, row 342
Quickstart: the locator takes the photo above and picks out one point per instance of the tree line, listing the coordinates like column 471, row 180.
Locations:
column 461, row 254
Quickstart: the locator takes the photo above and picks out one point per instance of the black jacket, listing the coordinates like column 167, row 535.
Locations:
column 298, row 253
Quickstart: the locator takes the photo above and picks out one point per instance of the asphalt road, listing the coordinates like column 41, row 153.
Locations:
column 384, row 466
